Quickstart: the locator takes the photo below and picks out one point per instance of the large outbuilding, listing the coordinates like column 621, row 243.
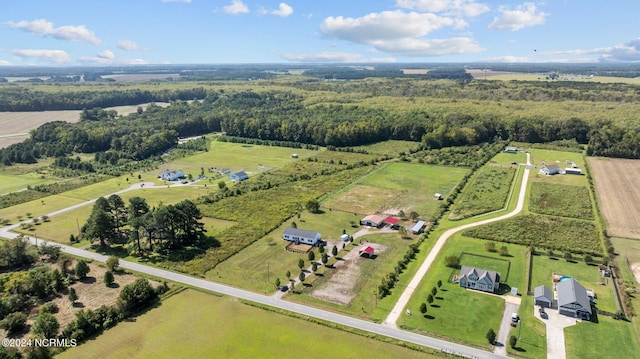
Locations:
column 372, row 220
column 417, row 228
column 301, row 236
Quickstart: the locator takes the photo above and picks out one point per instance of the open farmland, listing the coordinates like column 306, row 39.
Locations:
column 560, row 200
column 618, row 190
column 489, row 192
column 399, row 186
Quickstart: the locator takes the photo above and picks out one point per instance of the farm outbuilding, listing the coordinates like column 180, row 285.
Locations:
column 392, row 222
column 238, row 176
column 542, row 296
column 367, row 251
column 299, row 236
column 511, row 149
column 437, row 196
column 417, row 228
column 572, row 171
column 372, row 220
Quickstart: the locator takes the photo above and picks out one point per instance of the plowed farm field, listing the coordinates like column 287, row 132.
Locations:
column 619, row 192
column 15, row 126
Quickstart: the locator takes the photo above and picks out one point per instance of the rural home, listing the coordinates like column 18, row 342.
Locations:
column 299, row 236
column 511, row 149
column 479, row 279
column 542, row 296
column 171, row 175
column 550, row 170
column 417, row 228
column 572, row 171
column 238, row 176
column 372, row 220
column 392, row 222
column 367, row 251
column 573, row 300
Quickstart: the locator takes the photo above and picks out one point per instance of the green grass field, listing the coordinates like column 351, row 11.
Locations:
column 390, row 148
column 193, row 324
column 533, row 333
column 560, row 200
column 562, row 159
column 400, row 186
column 587, row 275
column 488, row 261
column 11, row 183
column 488, row 192
column 449, row 316
column 599, row 340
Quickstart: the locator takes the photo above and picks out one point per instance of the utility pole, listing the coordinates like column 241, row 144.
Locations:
column 519, row 327
column 267, row 272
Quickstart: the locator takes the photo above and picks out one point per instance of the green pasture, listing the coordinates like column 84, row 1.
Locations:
column 588, row 275
column 488, row 192
column 372, row 271
column 12, row 183
column 38, row 207
column 61, row 226
column 516, row 76
column 253, row 159
column 400, row 186
column 193, row 324
column 390, row 148
column 607, row 337
column 505, row 158
column 560, row 200
column 629, row 255
column 533, row 332
column 248, row 268
column 488, row 261
column 449, row 314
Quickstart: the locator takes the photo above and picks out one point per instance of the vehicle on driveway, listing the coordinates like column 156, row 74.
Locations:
column 543, row 314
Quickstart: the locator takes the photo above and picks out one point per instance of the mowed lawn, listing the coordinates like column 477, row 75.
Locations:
column 194, row 324
column 252, row 159
column 563, row 160
column 12, row 183
column 449, row 315
column 400, row 186
column 606, row 339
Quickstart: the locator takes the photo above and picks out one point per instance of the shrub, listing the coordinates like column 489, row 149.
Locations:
column 108, row 278
column 452, row 261
column 513, row 341
column 112, row 263
column 490, row 246
column 491, row 336
column 14, row 322
column 82, row 269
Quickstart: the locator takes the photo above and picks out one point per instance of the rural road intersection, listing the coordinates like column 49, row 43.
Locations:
column 387, row 328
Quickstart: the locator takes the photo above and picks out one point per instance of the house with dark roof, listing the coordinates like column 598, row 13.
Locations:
column 301, row 236
column 238, row 176
column 573, row 300
column 550, row 170
column 479, row 279
column 542, row 296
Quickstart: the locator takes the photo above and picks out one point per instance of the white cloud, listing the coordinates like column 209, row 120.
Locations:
column 429, row 47
column 284, row 10
column 383, row 60
column 387, row 25
column 45, row 28
column 236, row 7
column 5, row 63
column 324, row 57
column 518, row 18
column 52, row 56
column 627, row 52
column 184, row 1
column 106, row 54
column 465, row 8
column 129, row 45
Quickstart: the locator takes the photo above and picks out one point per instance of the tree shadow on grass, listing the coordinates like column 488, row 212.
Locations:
column 439, row 298
column 435, row 305
column 87, row 280
column 427, row 316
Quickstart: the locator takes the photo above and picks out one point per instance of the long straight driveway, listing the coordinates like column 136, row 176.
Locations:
column 424, row 268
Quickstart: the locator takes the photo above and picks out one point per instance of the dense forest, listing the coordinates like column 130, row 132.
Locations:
column 324, row 113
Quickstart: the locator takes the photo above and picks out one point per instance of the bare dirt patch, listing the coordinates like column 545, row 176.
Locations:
column 618, row 190
column 364, row 199
column 342, row 286
column 635, row 269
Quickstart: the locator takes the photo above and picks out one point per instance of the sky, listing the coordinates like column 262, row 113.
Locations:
column 117, row 32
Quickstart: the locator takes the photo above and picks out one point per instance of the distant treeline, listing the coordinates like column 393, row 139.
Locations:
column 15, row 98
column 282, row 115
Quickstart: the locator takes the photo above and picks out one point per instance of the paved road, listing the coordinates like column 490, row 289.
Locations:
column 398, row 309
column 386, row 330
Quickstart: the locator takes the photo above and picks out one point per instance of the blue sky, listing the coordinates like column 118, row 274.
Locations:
column 117, row 32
